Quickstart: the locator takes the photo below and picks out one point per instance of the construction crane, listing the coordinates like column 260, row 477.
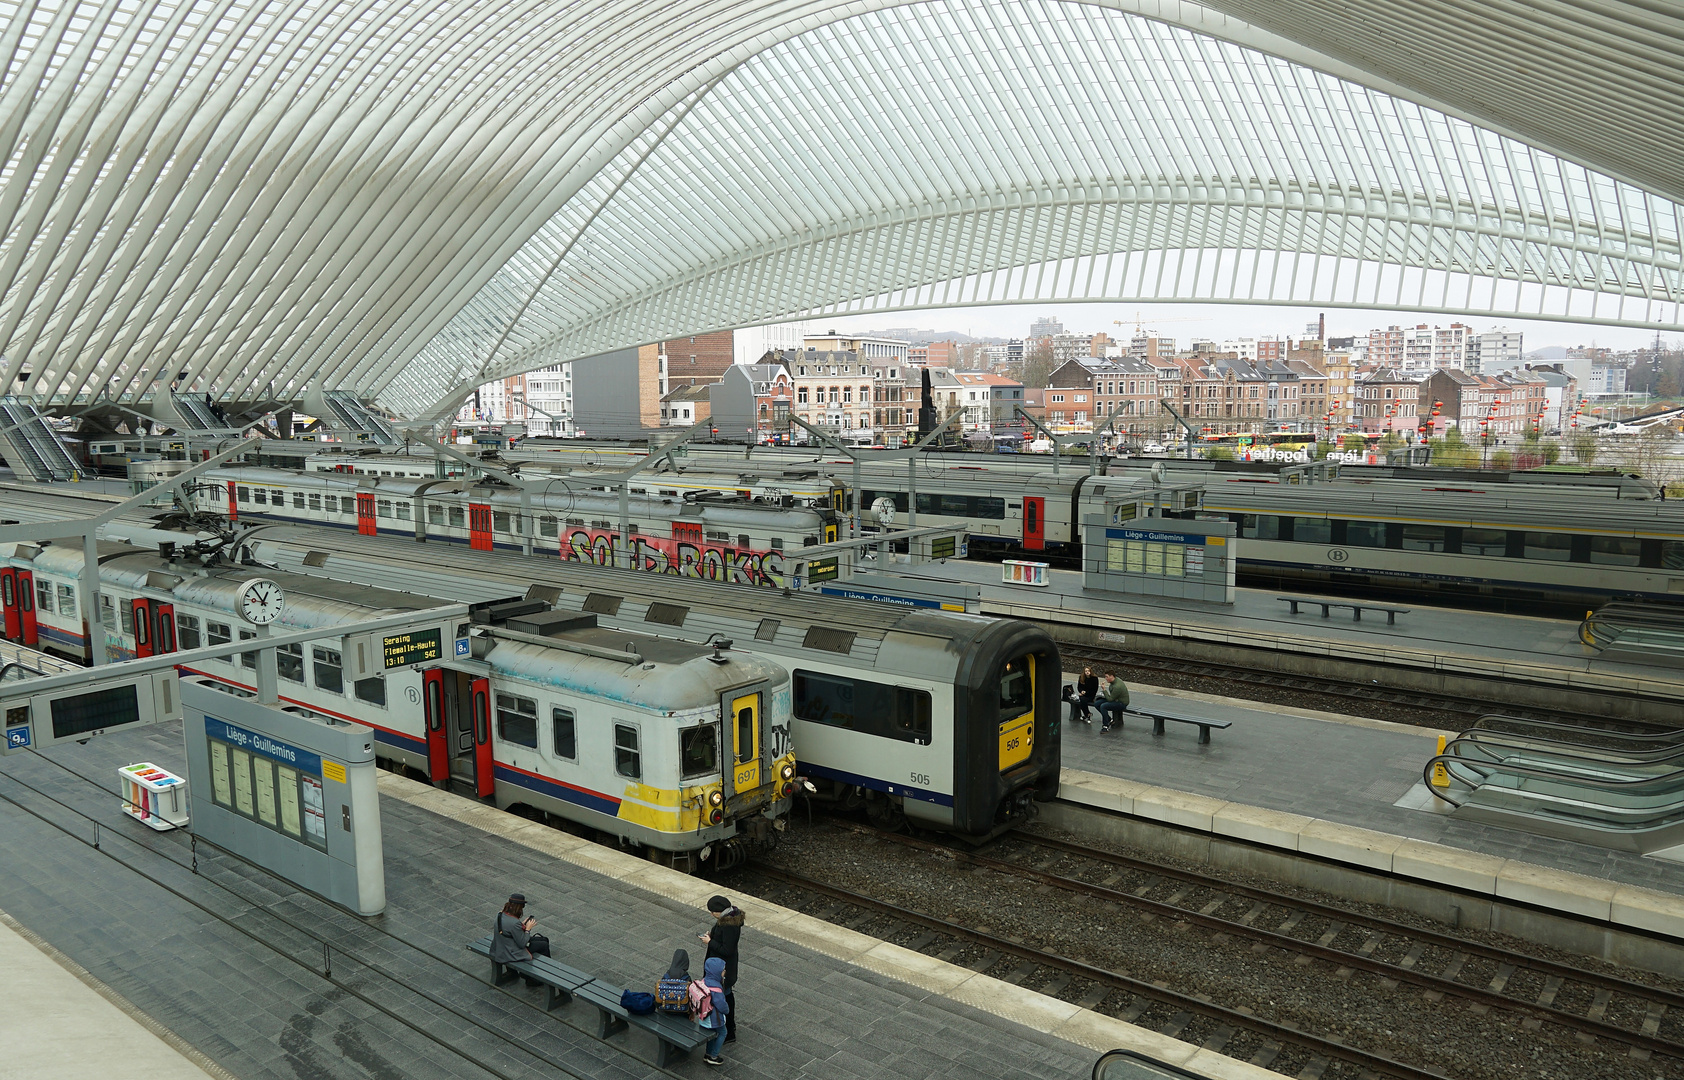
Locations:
column 1140, row 320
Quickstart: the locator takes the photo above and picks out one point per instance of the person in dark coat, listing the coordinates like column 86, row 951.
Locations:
column 512, row 938
column 1087, row 688
column 722, row 942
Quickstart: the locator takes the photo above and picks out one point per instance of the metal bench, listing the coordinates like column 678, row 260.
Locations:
column 676, row 1036
column 1356, row 609
column 561, row 981
column 1158, row 716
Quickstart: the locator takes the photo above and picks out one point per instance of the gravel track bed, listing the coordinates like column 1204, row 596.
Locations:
column 1360, row 1009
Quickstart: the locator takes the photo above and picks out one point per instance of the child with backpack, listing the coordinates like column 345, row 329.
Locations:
column 672, row 990
column 709, row 1007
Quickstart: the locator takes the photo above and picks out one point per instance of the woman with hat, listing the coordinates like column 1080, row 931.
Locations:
column 722, row 943
column 512, row 939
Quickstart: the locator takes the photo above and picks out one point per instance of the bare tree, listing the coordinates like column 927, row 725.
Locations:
column 1037, row 362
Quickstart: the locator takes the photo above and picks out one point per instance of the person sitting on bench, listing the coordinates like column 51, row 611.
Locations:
column 1113, row 699
column 512, row 938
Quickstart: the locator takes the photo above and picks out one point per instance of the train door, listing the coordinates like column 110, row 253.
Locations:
column 233, row 505
column 484, row 776
column 479, row 526
column 432, row 711
column 26, row 607
column 744, row 730
column 1034, row 523
column 9, row 603
column 141, row 609
column 163, row 627
column 365, row 515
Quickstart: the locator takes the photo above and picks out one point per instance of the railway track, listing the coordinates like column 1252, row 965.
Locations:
column 1606, row 1013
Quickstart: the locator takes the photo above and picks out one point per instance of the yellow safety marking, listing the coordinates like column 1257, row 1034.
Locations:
column 1017, row 739
column 333, row 771
column 1441, row 775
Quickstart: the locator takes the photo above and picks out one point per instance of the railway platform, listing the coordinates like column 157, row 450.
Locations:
column 1444, row 650
column 1347, row 790
column 230, row 961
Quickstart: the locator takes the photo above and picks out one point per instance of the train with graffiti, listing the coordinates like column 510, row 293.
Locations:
column 710, row 534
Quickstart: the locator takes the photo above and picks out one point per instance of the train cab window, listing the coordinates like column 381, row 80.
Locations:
column 289, row 662
column 187, row 631
column 628, row 753
column 242, row 493
column 1553, row 547
column 517, row 720
column 330, row 503
column 1260, row 526
column 248, row 660
column 1309, row 530
column 1365, row 534
column 372, row 690
column 435, row 514
column 698, row 751
column 1423, row 538
column 546, row 525
column 500, row 522
column 315, row 500
column 1485, row 542
column 329, row 666
column 1017, row 692
column 563, row 734
column 298, row 500
column 456, row 518
column 1616, row 550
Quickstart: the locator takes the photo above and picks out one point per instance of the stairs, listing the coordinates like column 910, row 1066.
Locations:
column 32, row 446
column 341, row 410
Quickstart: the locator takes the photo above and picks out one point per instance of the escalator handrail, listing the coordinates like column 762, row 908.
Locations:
column 1450, row 761
column 1659, row 755
column 1674, row 734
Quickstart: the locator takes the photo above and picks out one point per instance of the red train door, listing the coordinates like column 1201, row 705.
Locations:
column 1034, row 524
column 163, row 627
column 365, row 515
column 26, row 606
column 233, row 506
column 484, row 779
column 479, row 526
column 142, row 611
column 432, row 710
column 9, row 602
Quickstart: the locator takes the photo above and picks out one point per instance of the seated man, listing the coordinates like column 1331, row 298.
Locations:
column 1113, row 700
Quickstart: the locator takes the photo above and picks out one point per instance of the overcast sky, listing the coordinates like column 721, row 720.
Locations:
column 1186, row 321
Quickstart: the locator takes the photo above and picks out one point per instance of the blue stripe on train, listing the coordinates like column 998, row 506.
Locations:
column 809, row 769
column 590, row 800
column 401, row 741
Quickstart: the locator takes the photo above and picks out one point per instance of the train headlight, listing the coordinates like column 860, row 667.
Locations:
column 787, row 772
column 716, row 797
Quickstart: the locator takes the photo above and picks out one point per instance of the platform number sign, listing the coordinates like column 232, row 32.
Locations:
column 462, row 648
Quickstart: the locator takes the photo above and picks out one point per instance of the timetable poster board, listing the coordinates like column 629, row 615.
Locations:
column 275, row 784
column 1134, row 551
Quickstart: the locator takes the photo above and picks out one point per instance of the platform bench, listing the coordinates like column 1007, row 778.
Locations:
column 560, row 981
column 676, row 1035
column 1158, row 716
column 1356, row 609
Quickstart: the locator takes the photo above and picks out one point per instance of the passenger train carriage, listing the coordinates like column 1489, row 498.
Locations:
column 658, row 742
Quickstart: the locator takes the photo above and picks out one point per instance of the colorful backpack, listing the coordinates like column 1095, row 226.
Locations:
column 701, row 1002
column 672, row 995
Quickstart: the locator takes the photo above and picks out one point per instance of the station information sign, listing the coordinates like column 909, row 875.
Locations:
column 416, row 647
column 273, row 783
column 824, row 569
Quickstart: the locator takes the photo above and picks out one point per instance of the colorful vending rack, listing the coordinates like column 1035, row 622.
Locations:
column 154, row 796
column 1015, row 572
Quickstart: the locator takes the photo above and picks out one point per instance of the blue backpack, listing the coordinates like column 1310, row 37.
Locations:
column 637, row 1002
column 673, row 996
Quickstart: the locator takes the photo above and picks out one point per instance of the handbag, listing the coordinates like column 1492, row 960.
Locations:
column 637, row 1002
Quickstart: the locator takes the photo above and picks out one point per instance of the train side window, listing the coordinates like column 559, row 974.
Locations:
column 289, row 662
column 43, row 596
column 107, row 610
column 330, row 503
column 1310, row 530
column 217, row 633
column 125, row 612
column 67, row 601
column 1616, row 550
column 517, row 720
column 435, row 514
column 984, row 506
column 563, row 734
column 330, row 669
column 400, row 510
column 248, row 660
column 867, row 707
column 546, row 525
column 1365, row 534
column 1672, row 555
column 698, row 751
column 500, row 522
column 955, row 505
column 1485, row 542
column 383, row 508
column 1553, row 547
column 298, row 500
column 1260, row 526
column 279, row 498
column 260, row 497
column 242, row 493
column 456, row 518
column 187, row 631
column 315, row 500
column 372, row 690
column 912, row 714
column 1423, row 538
column 628, row 753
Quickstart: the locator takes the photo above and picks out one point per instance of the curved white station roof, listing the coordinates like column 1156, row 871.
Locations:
column 406, row 198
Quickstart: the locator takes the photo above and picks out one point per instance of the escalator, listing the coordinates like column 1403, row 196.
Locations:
column 1636, row 632
column 1612, row 789
column 31, row 445
column 350, row 415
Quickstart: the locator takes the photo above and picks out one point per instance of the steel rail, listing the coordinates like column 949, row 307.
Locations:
column 1151, row 991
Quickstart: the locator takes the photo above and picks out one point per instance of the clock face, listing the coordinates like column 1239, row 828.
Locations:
column 261, row 602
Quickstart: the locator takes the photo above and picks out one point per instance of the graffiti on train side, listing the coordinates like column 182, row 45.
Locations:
column 665, row 555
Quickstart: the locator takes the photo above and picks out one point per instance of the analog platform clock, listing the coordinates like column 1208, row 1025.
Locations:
column 261, row 601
